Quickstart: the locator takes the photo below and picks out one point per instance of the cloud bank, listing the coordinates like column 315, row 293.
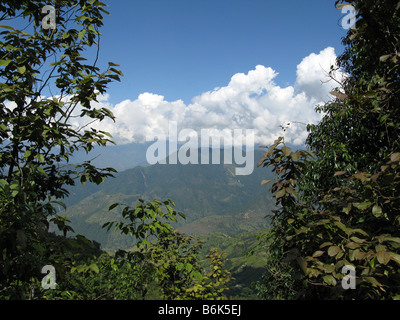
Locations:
column 248, row 101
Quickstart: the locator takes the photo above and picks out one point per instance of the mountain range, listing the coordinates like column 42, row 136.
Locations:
column 211, row 196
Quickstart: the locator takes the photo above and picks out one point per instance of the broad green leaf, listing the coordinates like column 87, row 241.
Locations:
column 363, row 206
column 40, row 157
column 352, row 245
column 330, row 280
column 296, row 156
column 94, row 268
column 325, row 244
column 81, row 34
column 333, row 251
column 318, row 254
column 395, row 157
column 357, row 240
column 21, row 69
column 5, row 63
column 395, row 257
column 383, row 257
column 280, row 193
column 292, row 192
column 189, row 267
column 377, row 211
column 287, row 151
column 198, row 276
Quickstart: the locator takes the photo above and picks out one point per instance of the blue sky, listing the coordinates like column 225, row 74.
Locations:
column 182, row 48
column 221, row 64
column 250, row 64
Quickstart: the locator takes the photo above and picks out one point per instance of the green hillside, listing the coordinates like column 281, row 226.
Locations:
column 212, row 197
column 244, row 259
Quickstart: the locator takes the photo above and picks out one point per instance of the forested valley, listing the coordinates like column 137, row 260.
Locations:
column 295, row 229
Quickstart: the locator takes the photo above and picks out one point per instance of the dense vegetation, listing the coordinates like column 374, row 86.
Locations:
column 37, row 143
column 337, row 203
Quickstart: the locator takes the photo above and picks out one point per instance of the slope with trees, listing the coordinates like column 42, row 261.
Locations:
column 339, row 204
column 37, row 144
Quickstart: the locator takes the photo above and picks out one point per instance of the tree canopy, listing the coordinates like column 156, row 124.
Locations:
column 339, row 201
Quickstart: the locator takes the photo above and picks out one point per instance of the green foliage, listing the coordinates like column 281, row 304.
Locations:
column 172, row 261
column 180, row 274
column 36, row 139
column 343, row 207
column 37, row 142
column 150, row 217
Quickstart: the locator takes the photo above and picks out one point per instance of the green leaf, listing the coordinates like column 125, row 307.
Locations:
column 377, row 211
column 363, row 206
column 198, row 276
column 189, row 267
column 330, row 280
column 113, row 206
column 385, row 57
column 5, row 63
column 395, row 257
column 325, row 244
column 21, row 70
column 318, row 254
column 292, row 192
column 287, row 151
column 81, row 34
column 296, row 156
column 352, row 245
column 94, row 268
column 7, row 27
column 357, row 240
column 333, row 251
column 395, row 157
column 117, row 71
column 280, row 193
column 40, row 158
column 383, row 257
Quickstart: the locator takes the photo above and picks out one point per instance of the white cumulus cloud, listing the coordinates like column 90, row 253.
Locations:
column 248, row 101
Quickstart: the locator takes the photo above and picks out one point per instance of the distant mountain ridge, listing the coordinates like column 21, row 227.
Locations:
column 211, row 196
